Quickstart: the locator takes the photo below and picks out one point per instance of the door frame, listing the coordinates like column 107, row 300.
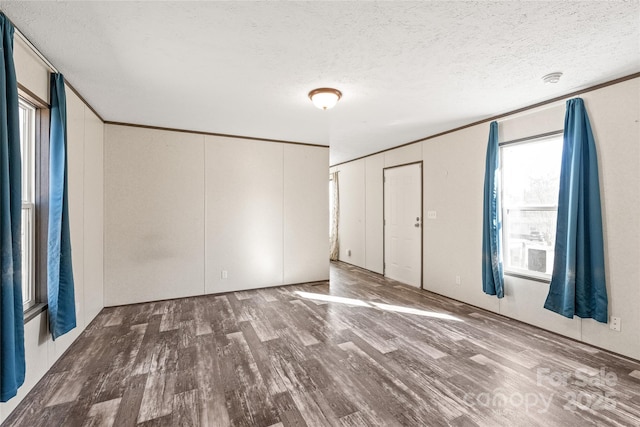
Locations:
column 384, row 219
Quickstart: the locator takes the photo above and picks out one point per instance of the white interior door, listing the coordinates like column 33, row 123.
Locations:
column 403, row 224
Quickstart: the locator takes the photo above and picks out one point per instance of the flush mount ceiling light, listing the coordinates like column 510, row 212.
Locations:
column 325, row 97
column 552, row 78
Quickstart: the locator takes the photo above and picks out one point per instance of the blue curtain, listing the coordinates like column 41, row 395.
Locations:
column 12, row 365
column 578, row 281
column 492, row 280
column 62, row 308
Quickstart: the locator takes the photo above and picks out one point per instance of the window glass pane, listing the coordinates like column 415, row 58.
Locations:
column 23, row 150
column 530, row 184
column 531, row 173
column 27, row 151
column 27, row 288
column 530, row 240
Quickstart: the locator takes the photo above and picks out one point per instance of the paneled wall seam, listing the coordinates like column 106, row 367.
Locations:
column 104, row 211
column 284, row 214
column 205, row 208
column 247, row 191
column 84, row 208
column 364, row 179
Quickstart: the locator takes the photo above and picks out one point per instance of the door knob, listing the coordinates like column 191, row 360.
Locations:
column 418, row 225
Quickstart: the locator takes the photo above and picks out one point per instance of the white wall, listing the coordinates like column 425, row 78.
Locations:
column 244, row 192
column 615, row 117
column 154, row 215
column 85, row 175
column 453, row 187
column 374, row 213
column 93, row 215
column 351, row 221
column 306, row 212
column 182, row 207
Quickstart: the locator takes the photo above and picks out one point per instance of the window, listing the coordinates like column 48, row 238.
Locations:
column 529, row 188
column 27, row 151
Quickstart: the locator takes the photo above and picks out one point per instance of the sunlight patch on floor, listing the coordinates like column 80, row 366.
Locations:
column 416, row 311
column 377, row 305
column 331, row 298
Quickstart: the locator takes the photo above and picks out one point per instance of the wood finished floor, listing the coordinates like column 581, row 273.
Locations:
column 366, row 351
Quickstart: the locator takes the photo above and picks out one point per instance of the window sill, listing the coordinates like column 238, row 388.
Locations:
column 524, row 276
column 34, row 311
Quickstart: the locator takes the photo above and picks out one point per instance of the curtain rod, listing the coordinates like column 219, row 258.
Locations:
column 35, row 49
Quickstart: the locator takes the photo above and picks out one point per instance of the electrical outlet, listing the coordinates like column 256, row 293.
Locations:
column 224, row 274
column 458, row 280
column 348, row 252
column 615, row 323
column 432, row 214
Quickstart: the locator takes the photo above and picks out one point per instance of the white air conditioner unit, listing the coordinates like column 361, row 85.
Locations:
column 540, row 258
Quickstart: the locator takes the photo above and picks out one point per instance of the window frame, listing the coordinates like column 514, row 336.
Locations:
column 504, row 210
column 27, row 148
column 40, row 201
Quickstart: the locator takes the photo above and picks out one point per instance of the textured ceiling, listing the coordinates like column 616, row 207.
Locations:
column 406, row 69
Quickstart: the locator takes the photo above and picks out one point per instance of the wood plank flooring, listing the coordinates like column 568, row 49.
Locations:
column 365, row 351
